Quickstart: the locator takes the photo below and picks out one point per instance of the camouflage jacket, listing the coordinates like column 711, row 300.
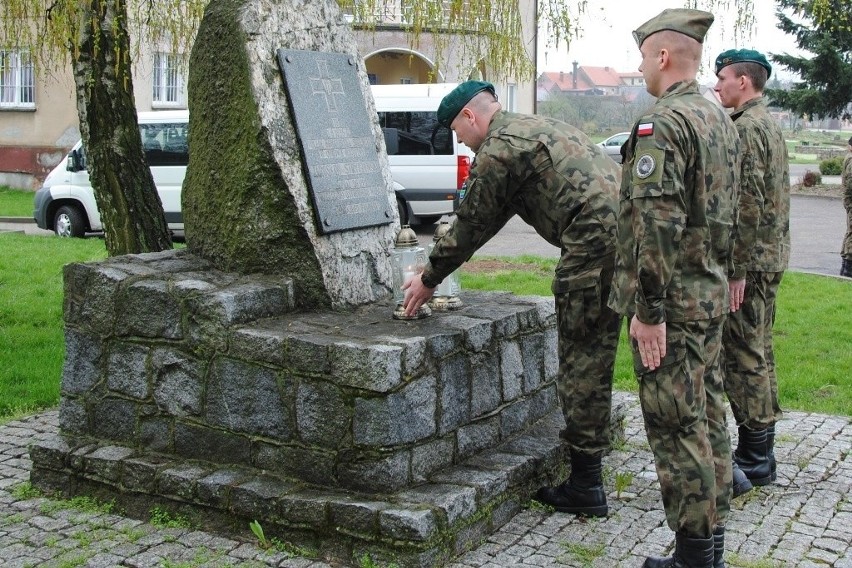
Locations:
column 762, row 226
column 553, row 177
column 678, row 190
column 846, row 181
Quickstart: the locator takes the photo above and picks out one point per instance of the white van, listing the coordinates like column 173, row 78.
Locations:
column 65, row 203
column 427, row 163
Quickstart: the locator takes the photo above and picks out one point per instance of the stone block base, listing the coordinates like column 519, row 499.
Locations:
column 341, row 431
column 424, row 525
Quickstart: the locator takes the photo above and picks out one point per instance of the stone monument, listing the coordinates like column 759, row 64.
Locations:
column 258, row 374
column 247, row 203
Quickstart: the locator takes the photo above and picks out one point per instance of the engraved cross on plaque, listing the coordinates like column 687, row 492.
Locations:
column 326, row 86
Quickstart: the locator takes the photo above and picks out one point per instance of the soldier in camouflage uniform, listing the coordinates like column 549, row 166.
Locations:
column 676, row 214
column 566, row 188
column 846, row 182
column 760, row 256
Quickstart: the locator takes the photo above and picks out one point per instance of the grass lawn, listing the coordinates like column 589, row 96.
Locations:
column 801, row 158
column 812, row 138
column 16, row 202
column 32, row 346
column 813, row 336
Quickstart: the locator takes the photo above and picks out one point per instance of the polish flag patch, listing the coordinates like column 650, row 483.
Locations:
column 645, row 129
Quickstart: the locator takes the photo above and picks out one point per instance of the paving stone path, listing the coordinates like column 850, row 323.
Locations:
column 805, row 519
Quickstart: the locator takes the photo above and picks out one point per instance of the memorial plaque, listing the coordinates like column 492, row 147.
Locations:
column 342, row 167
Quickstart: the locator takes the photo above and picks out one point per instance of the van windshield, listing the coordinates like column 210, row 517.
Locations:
column 415, row 133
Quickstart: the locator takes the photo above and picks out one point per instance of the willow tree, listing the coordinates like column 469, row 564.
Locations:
column 489, row 32
column 95, row 36
column 101, row 37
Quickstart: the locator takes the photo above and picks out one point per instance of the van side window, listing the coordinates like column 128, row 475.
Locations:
column 165, row 144
column 415, row 134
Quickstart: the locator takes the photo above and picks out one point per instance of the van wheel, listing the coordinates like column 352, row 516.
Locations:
column 69, row 222
column 403, row 212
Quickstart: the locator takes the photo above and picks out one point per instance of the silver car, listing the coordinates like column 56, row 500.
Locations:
column 612, row 145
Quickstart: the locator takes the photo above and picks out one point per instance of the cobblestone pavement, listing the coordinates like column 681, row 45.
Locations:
column 805, row 519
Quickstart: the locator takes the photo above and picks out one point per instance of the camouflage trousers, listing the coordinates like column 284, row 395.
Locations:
column 588, row 337
column 684, row 414
column 749, row 361
column 846, row 251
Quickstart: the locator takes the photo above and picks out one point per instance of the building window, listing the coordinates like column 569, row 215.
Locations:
column 373, row 78
column 168, row 82
column 405, row 80
column 17, row 79
column 511, row 97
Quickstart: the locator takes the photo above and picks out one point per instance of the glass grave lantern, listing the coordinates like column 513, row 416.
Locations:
column 407, row 260
column 446, row 295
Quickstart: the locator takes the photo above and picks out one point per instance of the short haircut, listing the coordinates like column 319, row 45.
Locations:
column 754, row 71
column 683, row 49
column 482, row 101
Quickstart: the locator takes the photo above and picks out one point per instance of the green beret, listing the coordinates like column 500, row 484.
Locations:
column 693, row 23
column 740, row 56
column 453, row 103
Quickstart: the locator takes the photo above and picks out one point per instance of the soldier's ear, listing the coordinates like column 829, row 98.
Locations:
column 663, row 59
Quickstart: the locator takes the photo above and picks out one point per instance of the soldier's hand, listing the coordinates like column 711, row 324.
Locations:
column 651, row 341
column 736, row 289
column 416, row 294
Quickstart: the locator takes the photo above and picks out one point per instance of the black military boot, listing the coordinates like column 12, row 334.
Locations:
column 770, row 443
column 583, row 493
column 846, row 268
column 719, row 547
column 741, row 483
column 752, row 455
column 689, row 553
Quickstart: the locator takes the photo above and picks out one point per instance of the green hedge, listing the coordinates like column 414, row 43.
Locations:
column 831, row 166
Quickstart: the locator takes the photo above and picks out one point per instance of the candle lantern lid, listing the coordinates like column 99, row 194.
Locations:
column 442, row 229
column 406, row 238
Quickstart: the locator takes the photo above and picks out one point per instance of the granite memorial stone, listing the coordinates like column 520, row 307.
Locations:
column 247, row 198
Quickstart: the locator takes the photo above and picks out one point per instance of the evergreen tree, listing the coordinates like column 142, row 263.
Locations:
column 826, row 32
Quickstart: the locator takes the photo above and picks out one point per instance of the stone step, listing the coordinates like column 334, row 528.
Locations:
column 423, row 525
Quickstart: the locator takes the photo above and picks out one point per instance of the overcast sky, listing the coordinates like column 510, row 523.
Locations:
column 607, row 36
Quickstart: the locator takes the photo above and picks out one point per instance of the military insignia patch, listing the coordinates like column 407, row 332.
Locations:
column 645, row 129
column 645, row 166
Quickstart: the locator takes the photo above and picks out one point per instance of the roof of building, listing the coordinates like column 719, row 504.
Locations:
column 564, row 81
column 588, row 78
column 602, row 76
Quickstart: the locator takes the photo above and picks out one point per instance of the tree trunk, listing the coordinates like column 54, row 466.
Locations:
column 130, row 207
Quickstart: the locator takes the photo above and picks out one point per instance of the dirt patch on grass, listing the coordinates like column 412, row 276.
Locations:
column 823, row 190
column 487, row 265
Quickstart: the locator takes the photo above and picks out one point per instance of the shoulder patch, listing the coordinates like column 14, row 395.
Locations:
column 645, row 129
column 645, row 166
